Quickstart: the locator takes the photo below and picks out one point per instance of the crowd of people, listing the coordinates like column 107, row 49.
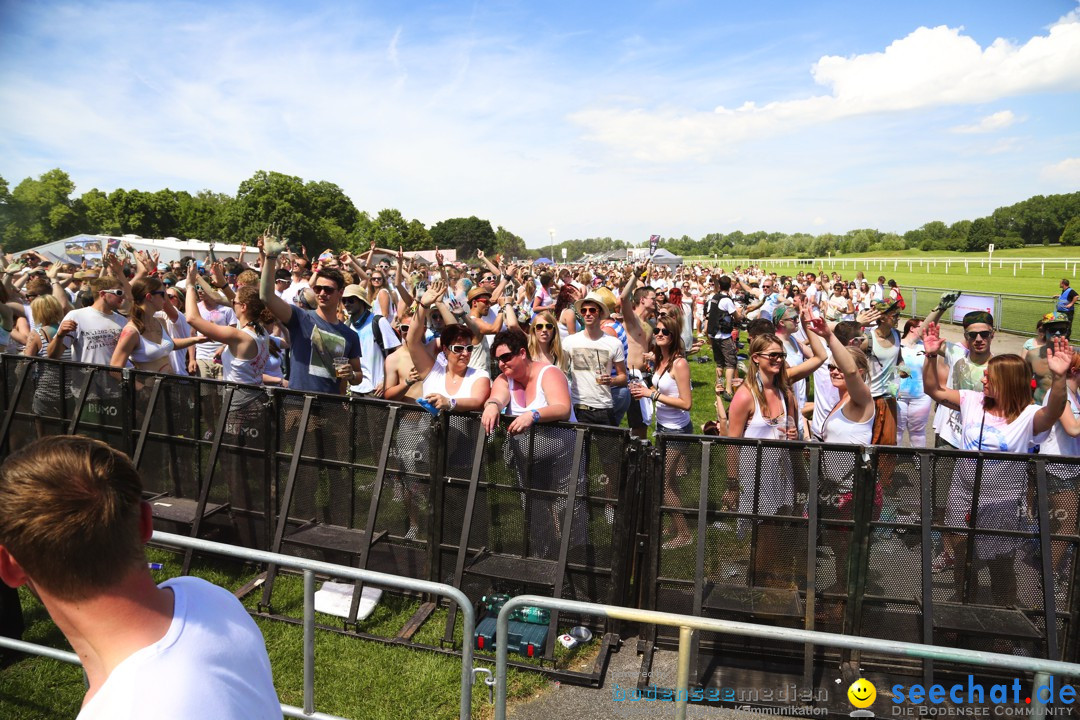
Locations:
column 813, row 356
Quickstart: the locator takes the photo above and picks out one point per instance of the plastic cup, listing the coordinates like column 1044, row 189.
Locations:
column 341, row 365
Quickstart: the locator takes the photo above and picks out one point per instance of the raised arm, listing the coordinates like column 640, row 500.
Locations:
column 858, row 390
column 421, row 355
column 932, row 344
column 1059, row 358
column 269, row 249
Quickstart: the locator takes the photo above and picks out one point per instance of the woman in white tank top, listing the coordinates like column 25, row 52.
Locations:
column 453, row 385
column 247, row 342
column 535, row 392
column 851, row 422
column 144, row 340
column 672, row 396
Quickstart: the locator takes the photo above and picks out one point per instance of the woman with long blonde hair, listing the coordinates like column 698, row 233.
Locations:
column 764, row 407
column 545, row 343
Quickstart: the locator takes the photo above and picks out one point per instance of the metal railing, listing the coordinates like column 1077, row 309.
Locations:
column 1042, row 669
column 309, row 568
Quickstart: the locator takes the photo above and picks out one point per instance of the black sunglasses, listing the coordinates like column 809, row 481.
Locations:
column 505, row 357
column 984, row 334
column 664, row 332
column 774, row 355
column 328, row 289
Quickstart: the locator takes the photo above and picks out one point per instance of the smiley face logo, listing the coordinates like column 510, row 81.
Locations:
column 862, row 693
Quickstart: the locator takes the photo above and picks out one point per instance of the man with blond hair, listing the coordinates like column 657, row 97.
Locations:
column 72, row 528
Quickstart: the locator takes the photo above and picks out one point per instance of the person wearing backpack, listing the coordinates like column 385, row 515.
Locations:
column 721, row 313
column 895, row 296
column 377, row 336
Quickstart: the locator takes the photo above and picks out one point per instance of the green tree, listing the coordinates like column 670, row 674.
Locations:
column 980, row 235
column 417, row 236
column 509, row 244
column 1071, row 234
column 467, row 235
column 41, row 211
column 96, row 213
column 205, row 216
column 274, row 198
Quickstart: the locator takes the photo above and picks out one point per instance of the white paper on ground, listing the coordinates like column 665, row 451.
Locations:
column 334, row 599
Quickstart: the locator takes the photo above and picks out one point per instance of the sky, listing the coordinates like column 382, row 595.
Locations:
column 564, row 120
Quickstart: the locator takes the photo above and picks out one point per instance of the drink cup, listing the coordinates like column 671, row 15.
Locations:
column 341, row 366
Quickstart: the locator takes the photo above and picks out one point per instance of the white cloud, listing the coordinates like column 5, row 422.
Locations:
column 988, row 124
column 930, row 67
column 1066, row 172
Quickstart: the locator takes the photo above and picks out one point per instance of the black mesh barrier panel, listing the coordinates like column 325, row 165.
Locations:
column 517, row 528
column 732, row 538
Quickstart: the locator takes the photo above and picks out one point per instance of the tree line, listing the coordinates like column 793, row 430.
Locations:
column 319, row 215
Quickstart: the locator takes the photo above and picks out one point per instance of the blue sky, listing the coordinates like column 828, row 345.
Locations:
column 589, row 119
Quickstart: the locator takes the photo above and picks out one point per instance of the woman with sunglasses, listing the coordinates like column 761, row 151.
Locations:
column 763, row 407
column 449, row 384
column 671, row 393
column 533, row 392
column 145, row 340
column 1001, row 418
column 545, row 345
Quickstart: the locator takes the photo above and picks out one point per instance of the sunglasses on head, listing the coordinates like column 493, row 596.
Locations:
column 328, row 289
column 505, row 357
column 158, row 292
column 984, row 334
column 543, row 326
column 662, row 314
column 459, row 349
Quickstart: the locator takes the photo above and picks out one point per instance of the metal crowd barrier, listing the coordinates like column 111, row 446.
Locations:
column 1043, row 669
column 810, row 536
column 841, row 538
column 309, row 569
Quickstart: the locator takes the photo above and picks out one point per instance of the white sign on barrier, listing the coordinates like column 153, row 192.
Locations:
column 970, row 303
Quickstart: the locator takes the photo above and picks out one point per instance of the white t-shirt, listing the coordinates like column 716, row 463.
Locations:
column 221, row 315
column 176, row 330
column 372, row 361
column 982, row 431
column 289, row 293
column 96, row 335
column 825, row 397
column 588, row 359
column 212, row 663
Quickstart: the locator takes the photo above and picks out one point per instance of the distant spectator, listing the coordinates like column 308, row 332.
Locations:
column 1066, row 302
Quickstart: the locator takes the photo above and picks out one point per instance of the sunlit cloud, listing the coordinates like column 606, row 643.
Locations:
column 930, row 67
column 988, row 124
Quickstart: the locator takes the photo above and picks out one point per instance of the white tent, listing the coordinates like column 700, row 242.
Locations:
column 79, row 247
